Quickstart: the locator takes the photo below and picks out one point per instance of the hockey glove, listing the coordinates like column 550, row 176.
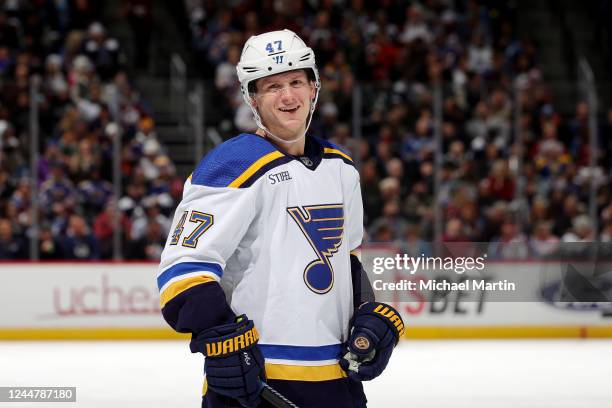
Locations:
column 377, row 328
column 234, row 365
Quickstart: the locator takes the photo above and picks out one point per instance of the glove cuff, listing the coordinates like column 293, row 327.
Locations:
column 227, row 339
column 387, row 314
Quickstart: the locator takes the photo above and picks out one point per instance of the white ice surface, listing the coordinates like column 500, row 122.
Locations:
column 422, row 374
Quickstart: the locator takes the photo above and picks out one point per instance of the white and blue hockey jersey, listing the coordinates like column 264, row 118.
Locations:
column 276, row 232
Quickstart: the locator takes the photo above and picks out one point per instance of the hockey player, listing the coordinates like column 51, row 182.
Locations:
column 262, row 263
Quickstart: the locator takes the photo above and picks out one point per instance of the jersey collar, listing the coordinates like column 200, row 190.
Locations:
column 313, row 152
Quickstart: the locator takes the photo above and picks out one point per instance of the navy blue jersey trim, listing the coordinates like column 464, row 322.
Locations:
column 198, row 308
column 338, row 156
column 327, row 143
column 259, row 173
column 330, row 155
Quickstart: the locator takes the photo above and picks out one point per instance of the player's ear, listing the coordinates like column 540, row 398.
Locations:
column 313, row 90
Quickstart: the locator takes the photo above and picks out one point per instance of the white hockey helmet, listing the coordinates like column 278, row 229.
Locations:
column 273, row 53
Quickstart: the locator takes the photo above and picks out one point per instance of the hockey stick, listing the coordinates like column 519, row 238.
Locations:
column 275, row 398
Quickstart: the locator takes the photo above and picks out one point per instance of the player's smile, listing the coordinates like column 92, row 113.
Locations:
column 291, row 113
column 289, row 110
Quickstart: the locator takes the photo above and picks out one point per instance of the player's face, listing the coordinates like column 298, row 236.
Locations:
column 283, row 101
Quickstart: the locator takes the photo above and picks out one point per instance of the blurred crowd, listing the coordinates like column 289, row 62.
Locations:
column 522, row 198
column 517, row 181
column 85, row 102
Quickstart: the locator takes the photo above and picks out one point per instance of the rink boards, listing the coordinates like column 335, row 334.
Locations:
column 58, row 301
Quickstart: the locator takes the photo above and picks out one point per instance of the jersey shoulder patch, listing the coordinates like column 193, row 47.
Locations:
column 237, row 162
column 333, row 151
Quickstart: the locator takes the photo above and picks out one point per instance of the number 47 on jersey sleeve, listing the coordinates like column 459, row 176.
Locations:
column 203, row 220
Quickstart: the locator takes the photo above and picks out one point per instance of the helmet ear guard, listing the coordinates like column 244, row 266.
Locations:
column 273, row 53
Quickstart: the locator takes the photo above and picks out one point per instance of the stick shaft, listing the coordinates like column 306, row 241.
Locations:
column 275, row 398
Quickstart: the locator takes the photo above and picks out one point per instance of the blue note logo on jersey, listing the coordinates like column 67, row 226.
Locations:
column 323, row 227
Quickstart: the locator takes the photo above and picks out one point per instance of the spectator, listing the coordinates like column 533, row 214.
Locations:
column 152, row 214
column 12, row 246
column 140, row 17
column 391, row 220
column 49, row 247
column 150, row 245
column 480, row 55
column 415, row 27
column 510, row 244
column 381, row 233
column 80, row 243
column 412, row 243
column 104, row 227
column 370, row 190
column 606, row 233
column 102, row 50
column 543, row 242
column 499, row 183
column 582, row 230
column 453, row 232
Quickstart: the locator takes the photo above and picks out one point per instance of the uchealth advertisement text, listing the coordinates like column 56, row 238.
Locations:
column 79, row 295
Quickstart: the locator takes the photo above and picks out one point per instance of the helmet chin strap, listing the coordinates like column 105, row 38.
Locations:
column 278, row 139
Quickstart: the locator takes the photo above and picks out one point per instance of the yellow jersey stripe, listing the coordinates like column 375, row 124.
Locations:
column 304, row 373
column 338, row 152
column 298, row 373
column 179, row 287
column 254, row 168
